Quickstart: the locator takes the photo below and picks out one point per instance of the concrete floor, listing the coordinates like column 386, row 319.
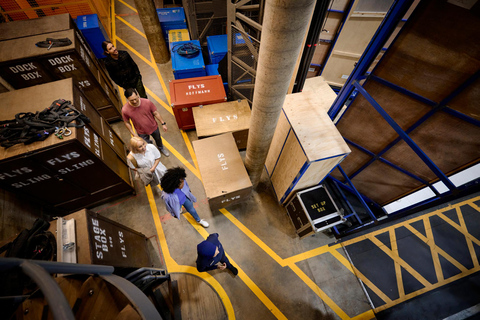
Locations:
column 280, row 275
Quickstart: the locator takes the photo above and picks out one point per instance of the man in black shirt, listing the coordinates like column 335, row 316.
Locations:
column 122, row 69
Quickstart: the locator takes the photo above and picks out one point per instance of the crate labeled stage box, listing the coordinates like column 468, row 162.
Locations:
column 232, row 116
column 189, row 93
column 224, row 176
column 313, row 210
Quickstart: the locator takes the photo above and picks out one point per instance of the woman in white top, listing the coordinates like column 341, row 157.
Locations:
column 146, row 156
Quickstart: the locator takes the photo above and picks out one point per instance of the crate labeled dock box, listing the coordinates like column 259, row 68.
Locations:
column 94, row 32
column 184, row 64
column 217, row 47
column 171, row 18
column 189, row 93
column 224, row 176
column 214, row 119
column 81, row 170
column 313, row 210
column 306, row 145
column 99, row 240
column 35, row 65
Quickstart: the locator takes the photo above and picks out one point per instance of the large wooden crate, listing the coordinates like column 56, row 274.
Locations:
column 80, row 170
column 99, row 240
column 32, row 65
column 214, row 119
column 306, row 145
column 223, row 173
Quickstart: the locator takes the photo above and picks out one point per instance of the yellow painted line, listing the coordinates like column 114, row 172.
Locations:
column 135, row 52
column 421, row 291
column 400, row 261
column 253, row 237
column 433, row 248
column 361, row 276
column 159, row 76
column 398, row 268
column 365, row 316
column 473, row 255
column 132, row 27
column 160, row 101
column 242, row 275
column 112, row 10
column 126, row 4
column 456, row 226
column 190, row 148
column 311, row 253
column 182, row 159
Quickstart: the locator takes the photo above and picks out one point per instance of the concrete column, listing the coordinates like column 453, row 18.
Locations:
column 284, row 26
column 153, row 31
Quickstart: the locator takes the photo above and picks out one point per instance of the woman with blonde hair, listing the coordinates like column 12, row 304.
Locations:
column 145, row 155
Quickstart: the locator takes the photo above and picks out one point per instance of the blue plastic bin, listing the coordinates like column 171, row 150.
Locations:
column 171, row 18
column 217, row 47
column 187, row 67
column 212, row 69
column 94, row 33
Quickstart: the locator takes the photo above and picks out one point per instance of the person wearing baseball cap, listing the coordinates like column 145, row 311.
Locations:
column 211, row 256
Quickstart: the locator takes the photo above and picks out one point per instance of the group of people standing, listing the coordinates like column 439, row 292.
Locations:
column 144, row 157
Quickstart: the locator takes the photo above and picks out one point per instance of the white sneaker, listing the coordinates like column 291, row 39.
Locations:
column 165, row 152
column 204, row 223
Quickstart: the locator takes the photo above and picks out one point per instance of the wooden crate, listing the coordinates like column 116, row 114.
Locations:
column 224, row 176
column 105, row 242
column 306, row 145
column 214, row 119
column 34, row 65
column 78, row 171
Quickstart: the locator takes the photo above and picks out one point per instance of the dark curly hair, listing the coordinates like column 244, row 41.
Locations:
column 171, row 179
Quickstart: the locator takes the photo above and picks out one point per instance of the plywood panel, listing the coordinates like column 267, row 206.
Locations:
column 453, row 54
column 332, row 23
column 321, row 52
column 315, row 130
column 278, row 141
column 382, row 183
column 467, row 102
column 291, row 161
column 363, row 125
column 355, row 160
column 316, row 172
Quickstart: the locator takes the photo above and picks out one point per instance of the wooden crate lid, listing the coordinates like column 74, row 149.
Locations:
column 316, row 132
column 223, row 117
column 325, row 95
column 220, row 165
column 34, row 99
column 25, row 28
column 25, row 47
column 197, row 91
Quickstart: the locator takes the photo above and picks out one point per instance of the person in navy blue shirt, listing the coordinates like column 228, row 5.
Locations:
column 211, row 256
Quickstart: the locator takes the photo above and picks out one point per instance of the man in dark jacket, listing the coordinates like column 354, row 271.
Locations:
column 122, row 69
column 211, row 256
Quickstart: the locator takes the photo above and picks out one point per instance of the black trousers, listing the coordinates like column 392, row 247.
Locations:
column 156, row 136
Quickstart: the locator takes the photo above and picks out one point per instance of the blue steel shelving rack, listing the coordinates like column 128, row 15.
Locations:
column 353, row 87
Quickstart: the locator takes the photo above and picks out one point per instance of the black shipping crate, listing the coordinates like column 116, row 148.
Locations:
column 23, row 64
column 80, row 170
column 313, row 210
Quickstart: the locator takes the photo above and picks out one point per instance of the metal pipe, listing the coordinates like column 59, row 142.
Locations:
column 53, row 294
column 284, row 24
column 58, row 267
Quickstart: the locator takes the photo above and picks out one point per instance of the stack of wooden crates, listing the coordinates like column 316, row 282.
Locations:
column 83, row 169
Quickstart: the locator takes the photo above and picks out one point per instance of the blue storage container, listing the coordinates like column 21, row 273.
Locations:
column 187, row 67
column 94, row 33
column 171, row 18
column 212, row 69
column 217, row 47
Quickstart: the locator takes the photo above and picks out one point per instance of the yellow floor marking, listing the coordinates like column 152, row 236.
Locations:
column 157, row 71
column 132, row 27
column 129, row 6
column 182, row 159
column 135, row 52
column 252, row 236
column 361, row 276
column 173, row 267
column 367, row 315
column 190, row 148
column 429, row 240
column 114, row 35
column 473, row 255
column 160, row 101
column 396, row 259
column 311, row 253
column 456, row 226
column 398, row 268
